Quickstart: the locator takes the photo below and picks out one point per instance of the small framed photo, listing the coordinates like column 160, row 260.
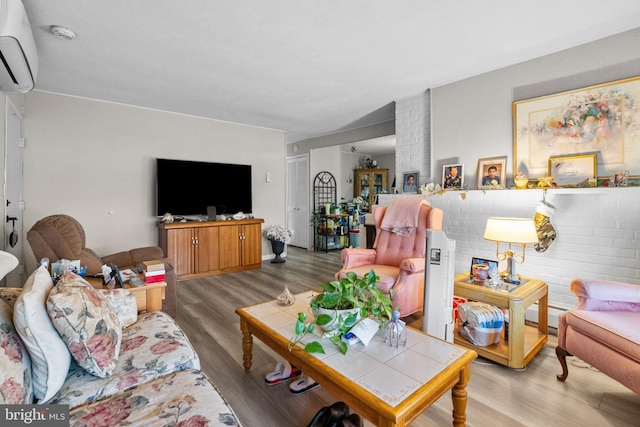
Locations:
column 492, row 172
column 410, row 182
column 452, row 176
column 488, row 262
column 573, row 171
column 619, row 179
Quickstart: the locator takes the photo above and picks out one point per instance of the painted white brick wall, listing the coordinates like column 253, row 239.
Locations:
column 598, row 233
column 413, row 142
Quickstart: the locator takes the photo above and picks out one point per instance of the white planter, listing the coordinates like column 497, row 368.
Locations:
column 333, row 324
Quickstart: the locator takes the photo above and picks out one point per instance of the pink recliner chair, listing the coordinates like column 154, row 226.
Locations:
column 398, row 251
column 603, row 330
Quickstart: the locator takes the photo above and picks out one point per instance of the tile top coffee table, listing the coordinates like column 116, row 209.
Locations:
column 387, row 385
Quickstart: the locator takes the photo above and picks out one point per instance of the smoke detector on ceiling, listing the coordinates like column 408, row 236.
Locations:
column 63, row 33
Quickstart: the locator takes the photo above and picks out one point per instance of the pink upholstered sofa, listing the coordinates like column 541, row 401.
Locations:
column 603, row 330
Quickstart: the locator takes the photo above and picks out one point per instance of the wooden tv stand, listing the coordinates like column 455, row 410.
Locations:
column 200, row 249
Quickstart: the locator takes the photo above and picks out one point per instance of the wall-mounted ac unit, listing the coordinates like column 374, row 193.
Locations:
column 18, row 56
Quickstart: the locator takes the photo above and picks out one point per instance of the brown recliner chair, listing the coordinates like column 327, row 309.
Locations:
column 62, row 237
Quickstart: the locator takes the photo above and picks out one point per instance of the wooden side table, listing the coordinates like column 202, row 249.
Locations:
column 148, row 296
column 523, row 341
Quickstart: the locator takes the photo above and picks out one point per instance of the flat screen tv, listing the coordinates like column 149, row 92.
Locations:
column 187, row 188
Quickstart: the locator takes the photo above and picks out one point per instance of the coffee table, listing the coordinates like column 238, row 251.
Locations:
column 387, row 385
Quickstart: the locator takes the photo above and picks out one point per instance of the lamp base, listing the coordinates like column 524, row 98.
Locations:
column 510, row 278
column 509, row 275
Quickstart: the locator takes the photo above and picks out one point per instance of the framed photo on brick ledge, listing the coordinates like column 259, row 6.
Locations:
column 411, row 182
column 452, row 176
column 573, row 171
column 492, row 172
column 603, row 120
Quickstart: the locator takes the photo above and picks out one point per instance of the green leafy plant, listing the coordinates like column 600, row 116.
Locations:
column 350, row 292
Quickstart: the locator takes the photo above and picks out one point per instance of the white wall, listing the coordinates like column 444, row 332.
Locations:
column 471, row 119
column 326, row 159
column 348, row 162
column 388, row 161
column 16, row 98
column 3, row 114
column 95, row 161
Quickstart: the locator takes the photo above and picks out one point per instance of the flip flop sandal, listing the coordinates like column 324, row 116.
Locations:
column 284, row 371
column 305, row 383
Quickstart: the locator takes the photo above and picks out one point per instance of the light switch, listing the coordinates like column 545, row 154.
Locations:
column 268, row 177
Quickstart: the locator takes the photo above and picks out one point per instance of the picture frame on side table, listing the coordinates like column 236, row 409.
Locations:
column 488, row 262
column 453, row 176
column 492, row 172
column 411, row 182
column 573, row 171
column 600, row 119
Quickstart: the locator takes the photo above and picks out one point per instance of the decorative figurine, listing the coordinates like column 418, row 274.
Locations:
column 495, row 282
column 395, row 332
column 286, row 297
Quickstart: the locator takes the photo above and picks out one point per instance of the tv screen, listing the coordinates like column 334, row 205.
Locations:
column 188, row 187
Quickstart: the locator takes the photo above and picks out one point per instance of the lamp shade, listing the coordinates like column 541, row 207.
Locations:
column 511, row 230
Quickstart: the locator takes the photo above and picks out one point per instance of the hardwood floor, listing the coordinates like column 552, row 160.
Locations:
column 498, row 396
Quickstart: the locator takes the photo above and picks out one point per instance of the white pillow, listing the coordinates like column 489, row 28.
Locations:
column 50, row 357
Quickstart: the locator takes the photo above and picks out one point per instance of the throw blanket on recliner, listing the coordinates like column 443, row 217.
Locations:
column 401, row 216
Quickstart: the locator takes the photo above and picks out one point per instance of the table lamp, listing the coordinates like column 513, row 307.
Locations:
column 511, row 230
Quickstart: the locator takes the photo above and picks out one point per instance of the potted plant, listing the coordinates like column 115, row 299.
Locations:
column 278, row 235
column 342, row 304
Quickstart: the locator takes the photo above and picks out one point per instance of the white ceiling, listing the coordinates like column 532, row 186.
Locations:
column 307, row 68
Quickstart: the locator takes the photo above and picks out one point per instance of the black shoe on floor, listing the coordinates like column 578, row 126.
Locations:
column 330, row 416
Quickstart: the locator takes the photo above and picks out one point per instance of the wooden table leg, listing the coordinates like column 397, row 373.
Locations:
column 247, row 345
column 154, row 299
column 459, row 397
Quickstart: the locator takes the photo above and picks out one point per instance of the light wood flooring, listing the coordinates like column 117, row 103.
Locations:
column 498, row 396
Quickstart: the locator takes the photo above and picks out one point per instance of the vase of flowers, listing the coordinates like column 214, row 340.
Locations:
column 278, row 235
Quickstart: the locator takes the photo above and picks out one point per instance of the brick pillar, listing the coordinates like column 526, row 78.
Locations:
column 413, row 137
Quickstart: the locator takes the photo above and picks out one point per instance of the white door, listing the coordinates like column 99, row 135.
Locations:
column 298, row 200
column 14, row 205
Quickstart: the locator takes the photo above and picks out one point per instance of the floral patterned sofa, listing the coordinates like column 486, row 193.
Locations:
column 71, row 344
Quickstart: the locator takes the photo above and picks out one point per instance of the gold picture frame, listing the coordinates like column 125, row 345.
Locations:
column 573, row 171
column 601, row 119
